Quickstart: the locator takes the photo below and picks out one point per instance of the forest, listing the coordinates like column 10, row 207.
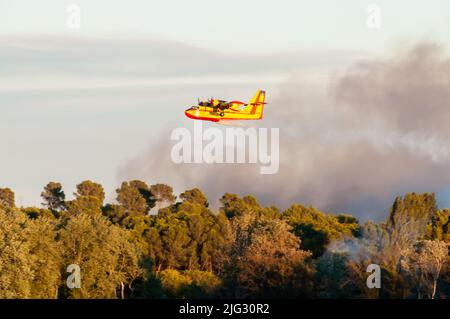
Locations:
column 150, row 243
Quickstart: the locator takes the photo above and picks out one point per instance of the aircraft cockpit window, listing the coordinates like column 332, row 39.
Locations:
column 204, row 104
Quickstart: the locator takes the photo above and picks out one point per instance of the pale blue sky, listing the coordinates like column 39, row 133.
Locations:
column 249, row 26
column 79, row 103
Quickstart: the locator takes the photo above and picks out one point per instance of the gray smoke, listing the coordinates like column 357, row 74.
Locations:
column 351, row 142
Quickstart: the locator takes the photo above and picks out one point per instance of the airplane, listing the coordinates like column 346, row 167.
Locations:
column 216, row 110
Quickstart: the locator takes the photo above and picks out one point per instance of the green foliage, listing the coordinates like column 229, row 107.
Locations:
column 7, row 198
column 265, row 260
column 53, row 196
column 316, row 229
column 115, row 213
column 91, row 205
column 163, row 194
column 439, row 226
column 233, row 205
column 16, row 272
column 194, row 196
column 145, row 192
column 189, row 284
column 419, row 207
column 47, row 253
column 334, row 278
column 30, row 257
column 35, row 212
column 105, row 254
column 191, row 236
column 135, row 197
column 244, row 250
column 89, row 188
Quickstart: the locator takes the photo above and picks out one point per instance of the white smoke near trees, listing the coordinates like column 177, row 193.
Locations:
column 375, row 131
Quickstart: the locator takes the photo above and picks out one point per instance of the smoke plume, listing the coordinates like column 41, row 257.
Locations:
column 351, row 143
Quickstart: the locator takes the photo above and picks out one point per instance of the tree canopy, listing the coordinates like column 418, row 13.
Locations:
column 148, row 245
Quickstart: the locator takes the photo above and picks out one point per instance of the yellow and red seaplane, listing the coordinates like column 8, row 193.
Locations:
column 217, row 110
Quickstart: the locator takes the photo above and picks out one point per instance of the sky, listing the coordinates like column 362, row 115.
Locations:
column 242, row 26
column 98, row 101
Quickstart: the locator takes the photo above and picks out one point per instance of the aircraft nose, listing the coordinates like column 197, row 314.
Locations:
column 192, row 113
column 189, row 113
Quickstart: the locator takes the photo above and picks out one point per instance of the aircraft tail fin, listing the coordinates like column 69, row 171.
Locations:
column 256, row 104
